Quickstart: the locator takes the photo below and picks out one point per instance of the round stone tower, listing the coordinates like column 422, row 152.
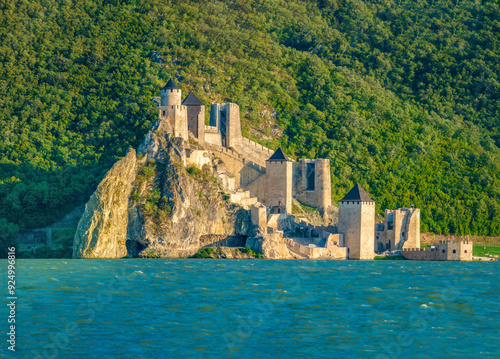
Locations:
column 171, row 94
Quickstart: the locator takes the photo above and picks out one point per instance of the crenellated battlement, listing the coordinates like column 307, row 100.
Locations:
column 256, row 147
column 419, row 250
column 357, row 203
column 464, row 242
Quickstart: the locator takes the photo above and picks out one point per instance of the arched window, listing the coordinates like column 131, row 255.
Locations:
column 465, row 251
column 444, row 251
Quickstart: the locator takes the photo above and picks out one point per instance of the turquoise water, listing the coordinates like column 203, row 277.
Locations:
column 255, row 309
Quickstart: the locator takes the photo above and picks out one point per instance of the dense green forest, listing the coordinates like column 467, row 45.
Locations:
column 402, row 96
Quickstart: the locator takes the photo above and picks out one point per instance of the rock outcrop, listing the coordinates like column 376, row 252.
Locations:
column 151, row 205
column 272, row 246
column 102, row 230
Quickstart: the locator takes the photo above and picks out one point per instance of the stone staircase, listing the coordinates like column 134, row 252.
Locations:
column 243, row 198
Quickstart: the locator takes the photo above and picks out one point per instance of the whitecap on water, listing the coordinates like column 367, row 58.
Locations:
column 376, row 289
column 54, row 279
column 424, row 306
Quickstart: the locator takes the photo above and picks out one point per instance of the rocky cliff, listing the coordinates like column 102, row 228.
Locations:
column 151, row 205
column 102, row 230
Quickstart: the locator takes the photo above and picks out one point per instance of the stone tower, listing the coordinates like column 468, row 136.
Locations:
column 279, row 176
column 170, row 94
column 226, row 118
column 357, row 223
column 195, row 116
column 171, row 108
column 233, row 131
column 312, row 183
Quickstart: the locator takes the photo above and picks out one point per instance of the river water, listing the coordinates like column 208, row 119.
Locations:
column 147, row 308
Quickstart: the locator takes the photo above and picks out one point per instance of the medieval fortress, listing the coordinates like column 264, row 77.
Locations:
column 271, row 185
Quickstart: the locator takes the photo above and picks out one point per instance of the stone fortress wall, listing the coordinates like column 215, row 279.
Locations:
column 443, row 251
column 267, row 182
column 400, row 229
column 312, row 183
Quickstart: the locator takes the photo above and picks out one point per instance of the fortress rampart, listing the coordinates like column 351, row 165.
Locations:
column 443, row 251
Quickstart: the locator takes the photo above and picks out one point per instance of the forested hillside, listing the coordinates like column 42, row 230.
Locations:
column 402, row 96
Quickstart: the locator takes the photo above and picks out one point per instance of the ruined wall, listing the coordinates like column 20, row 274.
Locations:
column 320, row 195
column 412, row 239
column 401, row 228
column 279, row 176
column 357, row 223
column 259, row 216
column 212, row 136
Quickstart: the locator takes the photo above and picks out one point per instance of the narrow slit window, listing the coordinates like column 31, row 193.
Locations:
column 310, row 176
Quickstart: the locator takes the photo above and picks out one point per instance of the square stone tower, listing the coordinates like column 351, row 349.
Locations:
column 233, row 125
column 279, row 177
column 225, row 118
column 312, row 183
column 195, row 116
column 357, row 223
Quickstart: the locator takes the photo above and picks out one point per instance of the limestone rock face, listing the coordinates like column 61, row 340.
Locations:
column 272, row 246
column 102, row 230
column 191, row 209
column 151, row 205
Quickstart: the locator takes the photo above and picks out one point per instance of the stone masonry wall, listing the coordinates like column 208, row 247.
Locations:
column 367, row 230
column 212, row 136
column 443, row 251
column 320, row 197
column 196, row 122
column 357, row 223
column 421, row 254
column 233, row 130
column 171, row 97
column 279, row 176
column 177, row 115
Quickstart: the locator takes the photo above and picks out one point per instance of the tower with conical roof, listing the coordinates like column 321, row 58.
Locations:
column 170, row 94
column 195, row 116
column 357, row 223
column 279, row 177
column 172, row 109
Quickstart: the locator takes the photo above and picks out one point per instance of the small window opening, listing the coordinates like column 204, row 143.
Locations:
column 310, row 176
